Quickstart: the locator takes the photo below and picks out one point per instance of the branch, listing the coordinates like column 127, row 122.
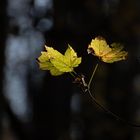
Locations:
column 110, row 112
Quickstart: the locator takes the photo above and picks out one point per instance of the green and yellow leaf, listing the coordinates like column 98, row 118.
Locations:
column 71, row 57
column 45, row 64
column 58, row 63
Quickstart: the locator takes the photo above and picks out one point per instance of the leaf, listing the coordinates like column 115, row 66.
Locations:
column 57, row 60
column 71, row 57
column 101, row 49
column 58, row 63
column 45, row 64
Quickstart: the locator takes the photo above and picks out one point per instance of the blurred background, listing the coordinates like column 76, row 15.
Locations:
column 37, row 106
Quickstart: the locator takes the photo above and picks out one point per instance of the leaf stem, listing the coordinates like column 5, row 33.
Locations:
column 75, row 72
column 91, row 78
column 72, row 74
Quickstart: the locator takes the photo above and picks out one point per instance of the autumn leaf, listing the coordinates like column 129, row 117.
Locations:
column 106, row 53
column 71, row 57
column 45, row 64
column 58, row 63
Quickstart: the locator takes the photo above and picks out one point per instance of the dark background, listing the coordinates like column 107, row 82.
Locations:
column 37, row 106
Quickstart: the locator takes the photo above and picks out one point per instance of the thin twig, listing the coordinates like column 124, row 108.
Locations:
column 86, row 89
column 110, row 112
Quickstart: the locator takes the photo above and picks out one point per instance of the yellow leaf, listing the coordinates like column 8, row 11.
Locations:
column 101, row 49
column 58, row 63
column 45, row 64
column 71, row 57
